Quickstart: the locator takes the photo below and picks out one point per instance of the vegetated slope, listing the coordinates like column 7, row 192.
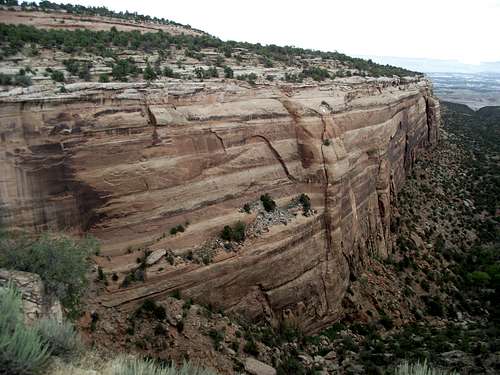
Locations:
column 435, row 298
column 126, row 46
column 49, row 15
column 447, row 258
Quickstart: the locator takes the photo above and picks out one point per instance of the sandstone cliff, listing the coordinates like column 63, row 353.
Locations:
column 127, row 162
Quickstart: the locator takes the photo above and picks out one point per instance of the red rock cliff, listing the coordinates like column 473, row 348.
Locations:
column 127, row 162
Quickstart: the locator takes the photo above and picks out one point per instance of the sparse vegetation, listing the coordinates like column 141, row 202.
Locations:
column 177, row 229
column 104, row 78
column 134, row 366
column 151, row 307
column 149, row 73
column 61, row 262
column 235, row 233
column 420, row 369
column 22, row 349
column 57, row 76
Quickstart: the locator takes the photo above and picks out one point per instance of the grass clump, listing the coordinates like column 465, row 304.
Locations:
column 135, row 366
column 61, row 338
column 419, row 369
column 22, row 351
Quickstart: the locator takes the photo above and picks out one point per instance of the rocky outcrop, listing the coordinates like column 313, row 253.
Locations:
column 36, row 303
column 128, row 162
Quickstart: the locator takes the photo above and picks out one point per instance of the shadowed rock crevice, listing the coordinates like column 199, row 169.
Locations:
column 277, row 155
column 219, row 138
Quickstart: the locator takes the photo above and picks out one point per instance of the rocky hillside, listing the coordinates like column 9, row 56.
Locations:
column 248, row 197
column 265, row 195
column 434, row 298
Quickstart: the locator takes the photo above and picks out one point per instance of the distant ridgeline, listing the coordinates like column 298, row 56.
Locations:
column 82, row 10
column 15, row 37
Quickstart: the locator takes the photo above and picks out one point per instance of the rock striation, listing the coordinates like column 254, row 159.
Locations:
column 128, row 162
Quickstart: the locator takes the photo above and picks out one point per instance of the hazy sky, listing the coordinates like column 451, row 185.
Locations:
column 466, row 30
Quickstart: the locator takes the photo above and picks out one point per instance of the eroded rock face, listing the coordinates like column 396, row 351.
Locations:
column 37, row 304
column 128, row 163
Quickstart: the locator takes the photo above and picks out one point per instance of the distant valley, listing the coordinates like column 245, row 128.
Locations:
column 475, row 90
column 475, row 85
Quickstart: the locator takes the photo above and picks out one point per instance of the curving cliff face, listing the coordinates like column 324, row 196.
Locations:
column 127, row 162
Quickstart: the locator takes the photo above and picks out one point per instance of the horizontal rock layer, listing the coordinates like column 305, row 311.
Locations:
column 127, row 163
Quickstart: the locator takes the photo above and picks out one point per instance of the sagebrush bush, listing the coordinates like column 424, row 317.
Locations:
column 22, row 351
column 61, row 338
column 419, row 369
column 134, row 366
column 61, row 262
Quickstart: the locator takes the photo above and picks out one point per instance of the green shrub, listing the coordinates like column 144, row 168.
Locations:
column 419, row 369
column 316, row 73
column 178, row 229
column 228, row 72
column 61, row 338
column 5, row 79
column 305, row 201
column 217, row 337
column 21, row 349
column 478, row 278
column 251, row 348
column 290, row 365
column 57, row 76
column 17, row 80
column 168, row 72
column 149, row 74
column 22, row 80
column 268, row 202
column 227, row 233
column 386, row 321
column 250, row 78
column 434, row 306
column 61, row 262
column 150, row 306
column 239, row 231
column 122, row 68
column 235, row 233
column 104, row 78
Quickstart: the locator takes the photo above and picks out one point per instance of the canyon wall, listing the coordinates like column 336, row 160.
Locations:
column 127, row 162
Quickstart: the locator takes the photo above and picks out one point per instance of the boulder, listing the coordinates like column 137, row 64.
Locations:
column 255, row 367
column 155, row 256
column 37, row 304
